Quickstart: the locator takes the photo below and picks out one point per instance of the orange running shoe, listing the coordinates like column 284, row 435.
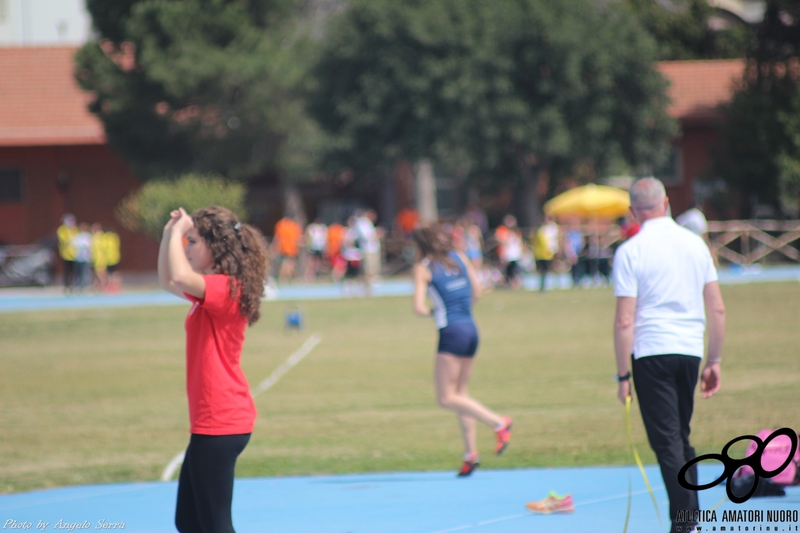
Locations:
column 469, row 465
column 552, row 504
column 503, row 436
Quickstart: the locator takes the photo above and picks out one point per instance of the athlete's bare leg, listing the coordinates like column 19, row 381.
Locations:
column 449, row 369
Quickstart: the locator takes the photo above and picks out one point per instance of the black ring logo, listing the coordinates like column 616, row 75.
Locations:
column 732, row 465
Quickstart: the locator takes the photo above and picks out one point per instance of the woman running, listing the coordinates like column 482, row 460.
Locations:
column 221, row 270
column 449, row 279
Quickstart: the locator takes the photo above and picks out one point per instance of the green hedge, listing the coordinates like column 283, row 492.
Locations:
column 147, row 210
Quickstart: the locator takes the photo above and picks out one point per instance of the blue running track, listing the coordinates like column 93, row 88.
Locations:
column 52, row 298
column 490, row 501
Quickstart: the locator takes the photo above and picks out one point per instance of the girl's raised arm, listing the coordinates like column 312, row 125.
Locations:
column 164, row 277
column 183, row 277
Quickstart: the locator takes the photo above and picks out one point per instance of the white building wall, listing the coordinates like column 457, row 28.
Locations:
column 44, row 22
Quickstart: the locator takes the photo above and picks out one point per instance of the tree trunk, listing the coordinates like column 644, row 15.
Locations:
column 426, row 191
column 388, row 197
column 293, row 205
column 531, row 209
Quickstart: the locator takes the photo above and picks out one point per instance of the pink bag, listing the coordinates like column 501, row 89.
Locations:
column 773, row 456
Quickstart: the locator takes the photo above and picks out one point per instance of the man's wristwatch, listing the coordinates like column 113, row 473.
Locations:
column 620, row 379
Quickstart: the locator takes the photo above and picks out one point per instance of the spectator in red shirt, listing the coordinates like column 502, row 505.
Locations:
column 221, row 271
column 629, row 227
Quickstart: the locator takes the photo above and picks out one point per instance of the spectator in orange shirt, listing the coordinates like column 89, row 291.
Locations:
column 334, row 251
column 510, row 249
column 287, row 242
column 407, row 220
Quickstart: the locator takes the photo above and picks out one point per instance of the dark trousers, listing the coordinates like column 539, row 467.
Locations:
column 543, row 266
column 205, row 487
column 577, row 271
column 69, row 274
column 665, row 387
column 512, row 271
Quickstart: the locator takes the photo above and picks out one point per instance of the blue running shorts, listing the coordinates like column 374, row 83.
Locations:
column 459, row 339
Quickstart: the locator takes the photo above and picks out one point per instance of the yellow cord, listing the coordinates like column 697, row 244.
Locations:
column 628, row 511
column 723, row 500
column 639, row 463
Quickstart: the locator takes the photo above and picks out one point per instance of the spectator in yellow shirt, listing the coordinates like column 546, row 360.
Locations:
column 66, row 232
column 99, row 262
column 112, row 257
column 545, row 247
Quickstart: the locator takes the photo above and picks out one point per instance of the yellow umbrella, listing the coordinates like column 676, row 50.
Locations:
column 596, row 201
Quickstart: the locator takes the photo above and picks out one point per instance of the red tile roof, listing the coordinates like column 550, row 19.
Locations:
column 40, row 103
column 698, row 87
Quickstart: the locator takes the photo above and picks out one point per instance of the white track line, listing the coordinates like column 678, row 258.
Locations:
column 515, row 516
column 618, row 496
column 479, row 524
column 273, row 378
column 287, row 365
column 173, row 465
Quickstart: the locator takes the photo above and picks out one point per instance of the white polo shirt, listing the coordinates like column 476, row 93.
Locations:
column 665, row 267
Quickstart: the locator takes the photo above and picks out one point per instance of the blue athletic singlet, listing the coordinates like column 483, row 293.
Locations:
column 451, row 293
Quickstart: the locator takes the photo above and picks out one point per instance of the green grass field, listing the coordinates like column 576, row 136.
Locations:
column 98, row 396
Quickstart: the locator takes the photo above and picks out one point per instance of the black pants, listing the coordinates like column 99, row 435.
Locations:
column 512, row 271
column 543, row 266
column 578, row 270
column 69, row 274
column 604, row 268
column 205, row 488
column 665, row 387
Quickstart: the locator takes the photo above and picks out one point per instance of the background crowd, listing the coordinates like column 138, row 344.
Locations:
column 360, row 250
column 90, row 256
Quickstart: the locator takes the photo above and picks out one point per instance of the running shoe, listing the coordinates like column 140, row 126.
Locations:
column 469, row 465
column 503, row 436
column 552, row 504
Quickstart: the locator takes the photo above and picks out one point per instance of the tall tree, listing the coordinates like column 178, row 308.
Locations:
column 760, row 137
column 504, row 88
column 684, row 29
column 197, row 85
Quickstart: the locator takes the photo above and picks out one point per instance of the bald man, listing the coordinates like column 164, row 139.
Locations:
column 666, row 287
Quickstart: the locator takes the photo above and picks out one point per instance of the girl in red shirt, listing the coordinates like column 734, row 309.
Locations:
column 219, row 265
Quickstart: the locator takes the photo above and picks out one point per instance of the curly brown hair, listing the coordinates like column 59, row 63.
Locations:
column 238, row 252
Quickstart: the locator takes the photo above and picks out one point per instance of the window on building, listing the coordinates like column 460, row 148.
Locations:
column 670, row 172
column 446, row 196
column 447, row 191
column 10, row 185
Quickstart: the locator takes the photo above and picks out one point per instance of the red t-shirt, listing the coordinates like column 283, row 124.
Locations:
column 219, row 396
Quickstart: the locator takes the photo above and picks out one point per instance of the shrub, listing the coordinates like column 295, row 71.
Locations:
column 147, row 210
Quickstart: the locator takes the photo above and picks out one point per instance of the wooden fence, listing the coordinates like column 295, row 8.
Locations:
column 745, row 242
column 742, row 242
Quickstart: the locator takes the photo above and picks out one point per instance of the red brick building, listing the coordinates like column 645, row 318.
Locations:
column 53, row 155
column 697, row 88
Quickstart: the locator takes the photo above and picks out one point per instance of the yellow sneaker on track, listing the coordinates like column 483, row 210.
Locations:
column 552, row 504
